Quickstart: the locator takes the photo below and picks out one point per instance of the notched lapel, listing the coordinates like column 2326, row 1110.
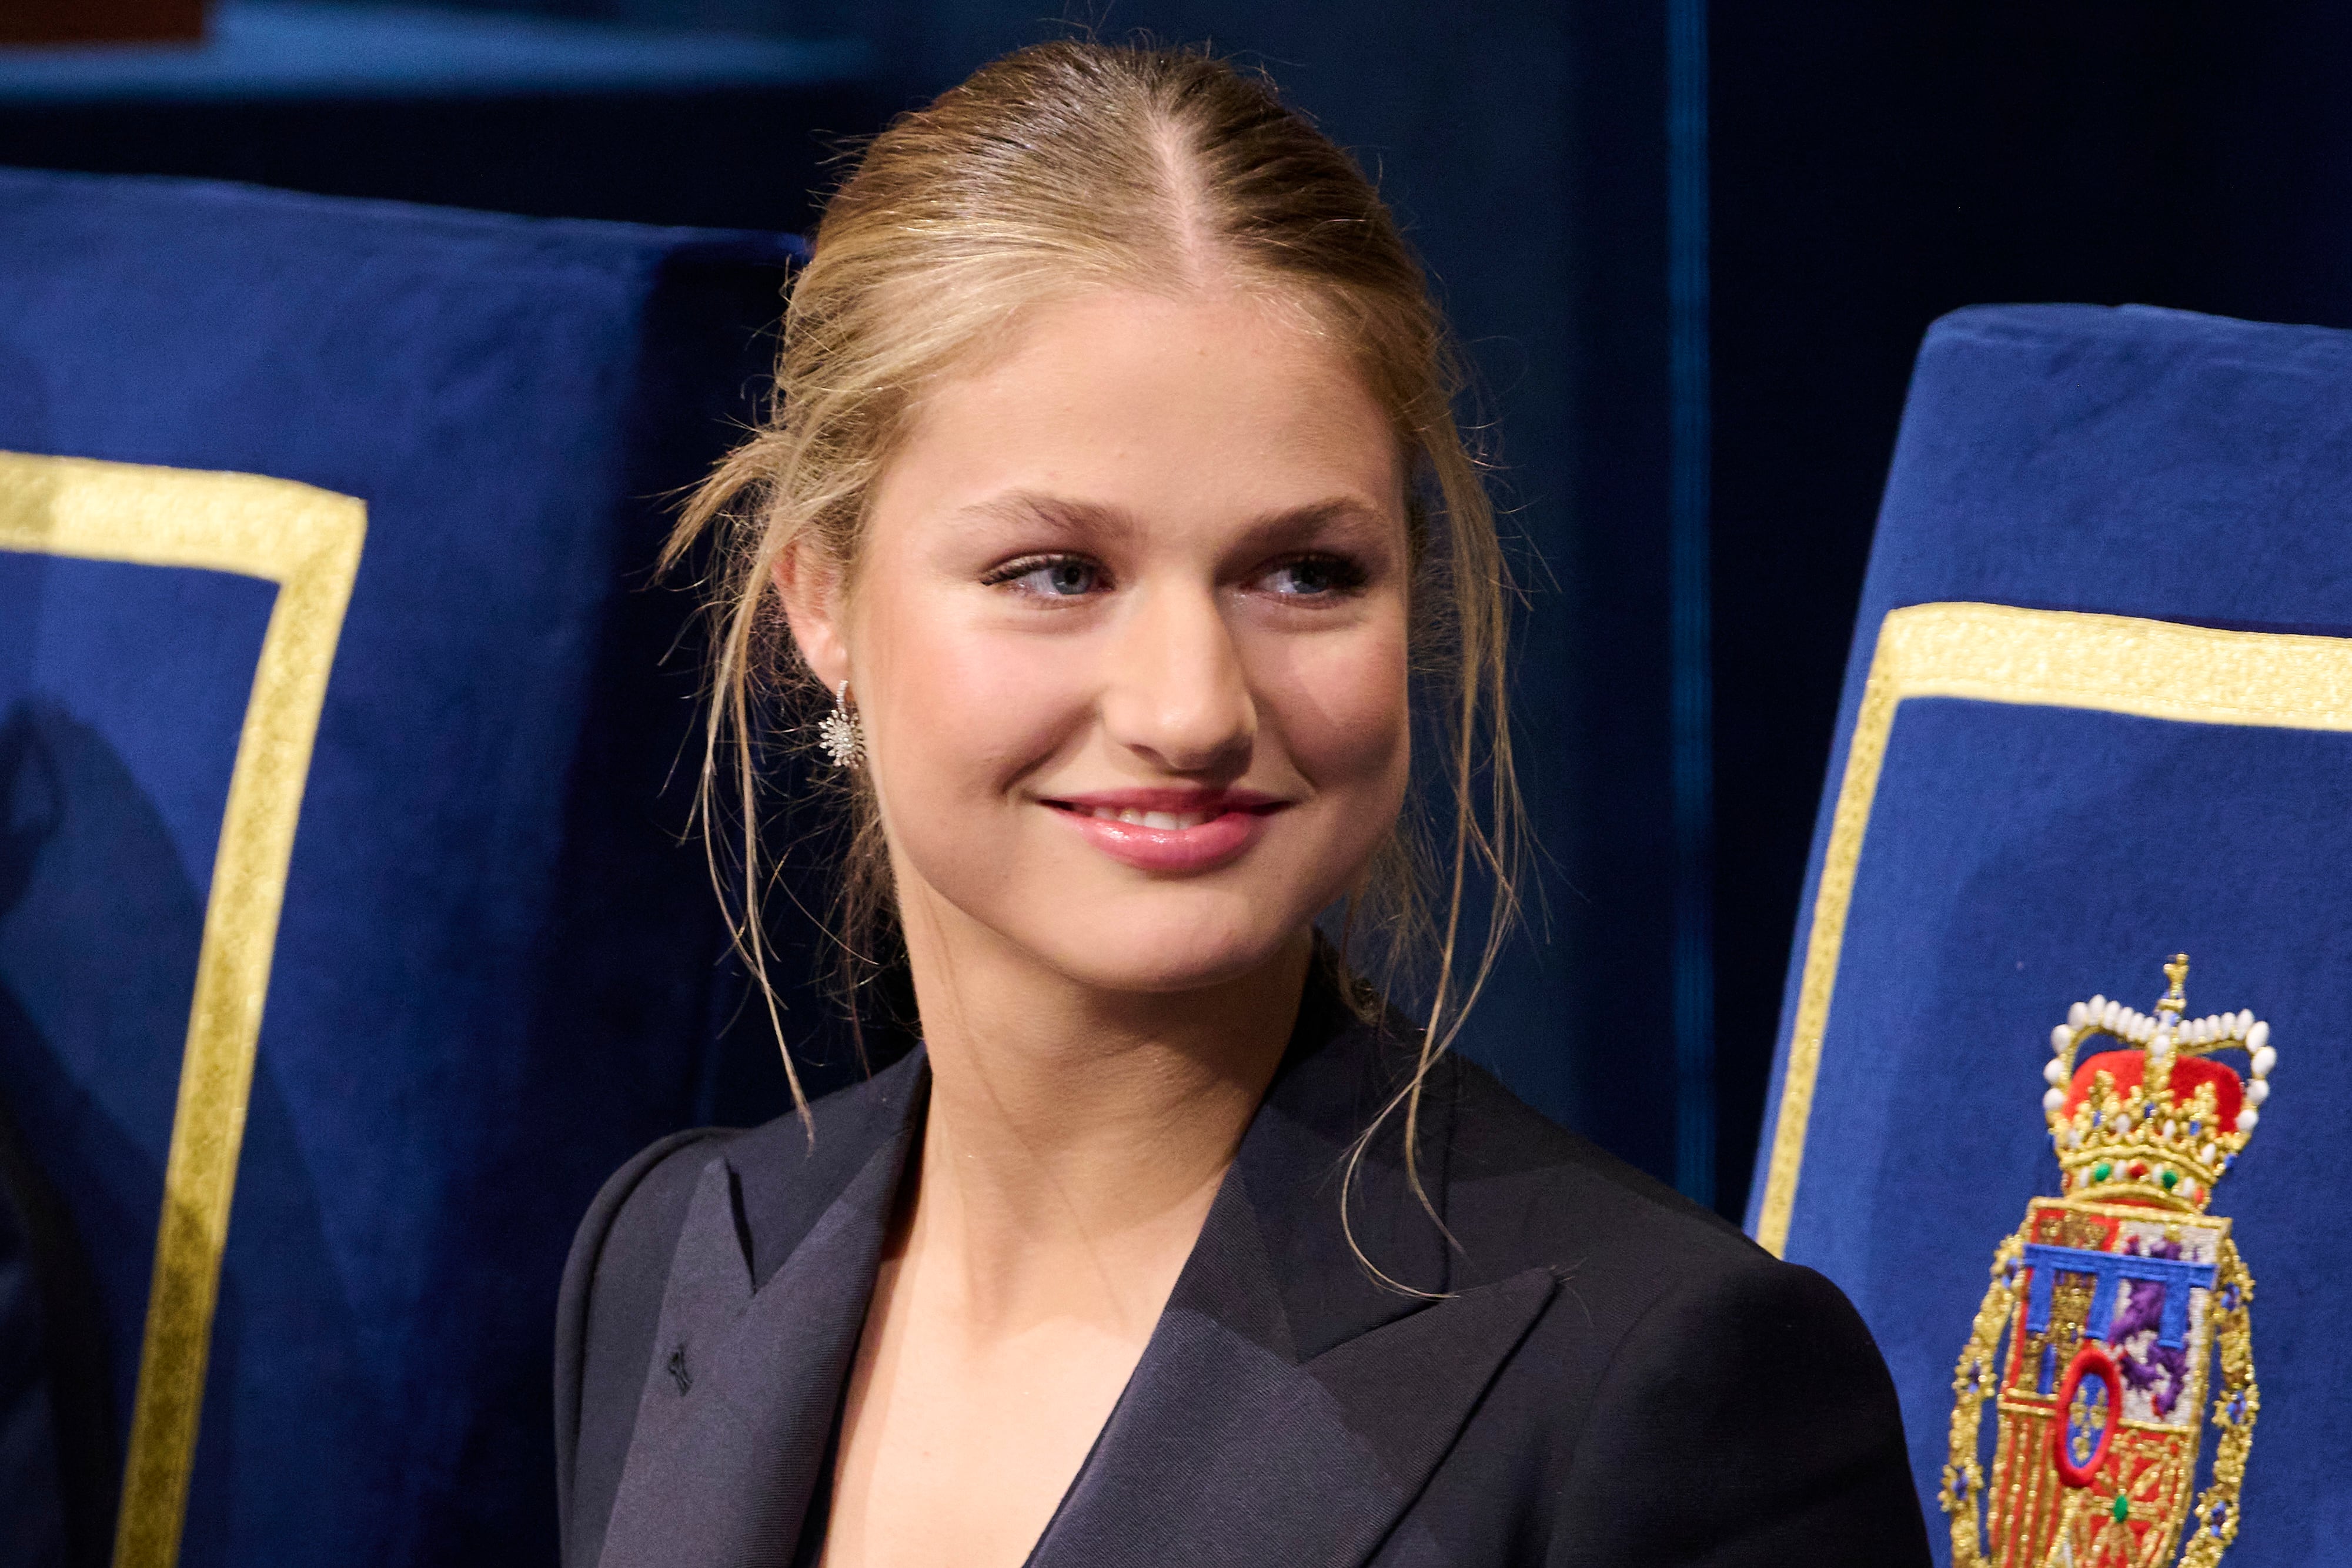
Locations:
column 1227, row 1450
column 739, row 1398
column 709, row 1275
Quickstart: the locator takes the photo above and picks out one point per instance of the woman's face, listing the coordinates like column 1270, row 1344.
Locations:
column 1127, row 637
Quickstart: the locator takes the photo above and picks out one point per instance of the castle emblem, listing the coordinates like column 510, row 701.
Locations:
column 2116, row 1325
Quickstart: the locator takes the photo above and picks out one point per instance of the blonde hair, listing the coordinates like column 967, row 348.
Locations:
column 1066, row 168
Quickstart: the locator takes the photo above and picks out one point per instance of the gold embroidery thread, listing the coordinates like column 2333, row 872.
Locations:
column 308, row 542
column 2128, row 1284
column 1995, row 652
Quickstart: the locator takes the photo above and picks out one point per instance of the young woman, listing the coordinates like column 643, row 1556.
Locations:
column 1113, row 507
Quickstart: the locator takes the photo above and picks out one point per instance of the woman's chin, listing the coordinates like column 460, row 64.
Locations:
column 1169, row 962
column 1116, row 934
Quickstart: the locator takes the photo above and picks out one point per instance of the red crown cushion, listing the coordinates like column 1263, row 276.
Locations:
column 2187, row 1072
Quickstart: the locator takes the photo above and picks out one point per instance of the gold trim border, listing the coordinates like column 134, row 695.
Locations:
column 2048, row 658
column 308, row 542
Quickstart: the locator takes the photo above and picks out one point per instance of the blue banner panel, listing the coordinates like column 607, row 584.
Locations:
column 2098, row 713
column 2021, row 859
column 497, row 968
column 115, row 773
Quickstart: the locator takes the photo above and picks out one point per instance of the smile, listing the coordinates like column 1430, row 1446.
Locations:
column 1162, row 819
column 1168, row 831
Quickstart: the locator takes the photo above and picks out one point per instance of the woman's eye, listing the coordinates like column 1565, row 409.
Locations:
column 1063, row 577
column 1314, row 577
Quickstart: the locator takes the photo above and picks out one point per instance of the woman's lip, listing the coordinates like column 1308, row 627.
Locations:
column 1169, row 801
column 1200, row 832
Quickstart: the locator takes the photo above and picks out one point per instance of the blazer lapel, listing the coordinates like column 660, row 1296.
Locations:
column 1287, row 1411
column 739, row 1402
column 1288, row 1408
column 1227, row 1449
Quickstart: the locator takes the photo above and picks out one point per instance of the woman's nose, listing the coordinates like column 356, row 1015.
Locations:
column 1176, row 689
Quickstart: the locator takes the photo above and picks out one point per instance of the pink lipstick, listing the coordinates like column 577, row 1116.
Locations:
column 1171, row 831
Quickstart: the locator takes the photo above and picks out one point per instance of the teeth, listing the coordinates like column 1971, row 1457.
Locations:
column 1165, row 821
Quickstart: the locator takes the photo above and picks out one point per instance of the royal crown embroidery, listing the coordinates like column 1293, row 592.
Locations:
column 2116, row 1320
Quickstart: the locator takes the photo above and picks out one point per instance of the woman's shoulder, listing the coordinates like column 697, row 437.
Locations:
column 1671, row 1347
column 1632, row 1254
column 1680, row 1347
column 1493, row 1191
column 1509, row 1192
column 780, row 1167
column 1523, row 1192
column 785, row 1175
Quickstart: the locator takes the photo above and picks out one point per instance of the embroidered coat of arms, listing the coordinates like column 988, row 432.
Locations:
column 2116, row 1325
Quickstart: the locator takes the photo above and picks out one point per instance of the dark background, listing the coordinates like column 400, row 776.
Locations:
column 1865, row 168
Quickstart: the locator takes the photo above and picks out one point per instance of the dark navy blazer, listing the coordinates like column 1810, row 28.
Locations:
column 1611, row 1376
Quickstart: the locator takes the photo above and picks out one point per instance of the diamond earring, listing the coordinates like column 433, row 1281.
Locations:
column 839, row 732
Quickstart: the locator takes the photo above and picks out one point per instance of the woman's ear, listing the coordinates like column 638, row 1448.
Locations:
column 811, row 592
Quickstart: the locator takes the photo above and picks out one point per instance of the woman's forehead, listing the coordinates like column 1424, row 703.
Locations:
column 1122, row 400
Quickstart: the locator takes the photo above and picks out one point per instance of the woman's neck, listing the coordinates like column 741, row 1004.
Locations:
column 1075, row 1139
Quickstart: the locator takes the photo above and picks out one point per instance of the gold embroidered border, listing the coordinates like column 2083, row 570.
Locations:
column 306, row 542
column 2050, row 658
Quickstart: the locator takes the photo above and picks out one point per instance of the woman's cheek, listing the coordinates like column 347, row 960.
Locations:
column 1347, row 718
column 977, row 708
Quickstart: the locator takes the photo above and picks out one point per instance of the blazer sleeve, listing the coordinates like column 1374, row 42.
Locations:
column 1745, row 1421
column 606, row 1316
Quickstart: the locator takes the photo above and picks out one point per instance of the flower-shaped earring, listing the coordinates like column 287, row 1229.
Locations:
column 839, row 732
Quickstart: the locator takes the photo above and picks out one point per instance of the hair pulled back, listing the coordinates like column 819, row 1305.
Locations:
column 1063, row 169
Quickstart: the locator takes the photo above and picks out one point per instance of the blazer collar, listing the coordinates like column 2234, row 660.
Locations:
column 1287, row 1409
column 738, row 1406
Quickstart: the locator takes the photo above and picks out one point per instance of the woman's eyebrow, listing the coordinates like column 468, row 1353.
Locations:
column 1063, row 514
column 1352, row 512
column 1072, row 517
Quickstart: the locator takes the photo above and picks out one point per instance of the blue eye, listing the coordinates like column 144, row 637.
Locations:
column 1315, row 577
column 1063, row 577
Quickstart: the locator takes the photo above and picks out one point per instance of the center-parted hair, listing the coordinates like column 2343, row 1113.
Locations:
column 1066, row 168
